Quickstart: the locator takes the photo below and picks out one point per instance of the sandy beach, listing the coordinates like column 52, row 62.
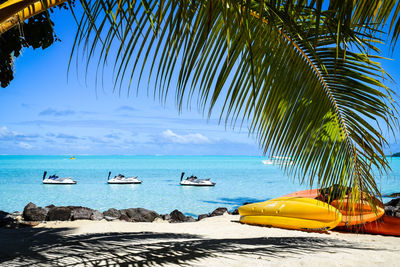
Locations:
column 215, row 241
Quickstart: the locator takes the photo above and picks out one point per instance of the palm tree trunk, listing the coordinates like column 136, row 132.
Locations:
column 14, row 12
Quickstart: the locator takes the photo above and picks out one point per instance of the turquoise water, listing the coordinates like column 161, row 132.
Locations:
column 239, row 179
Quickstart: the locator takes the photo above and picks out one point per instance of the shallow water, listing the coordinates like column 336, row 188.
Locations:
column 239, row 179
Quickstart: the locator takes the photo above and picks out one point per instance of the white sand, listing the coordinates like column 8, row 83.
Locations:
column 216, row 241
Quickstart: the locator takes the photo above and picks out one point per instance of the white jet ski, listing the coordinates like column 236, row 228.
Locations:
column 121, row 179
column 194, row 181
column 275, row 160
column 54, row 179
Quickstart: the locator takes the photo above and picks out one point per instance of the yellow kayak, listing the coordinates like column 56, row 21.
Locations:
column 291, row 213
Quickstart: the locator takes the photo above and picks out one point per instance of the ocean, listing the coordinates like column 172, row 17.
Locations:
column 238, row 179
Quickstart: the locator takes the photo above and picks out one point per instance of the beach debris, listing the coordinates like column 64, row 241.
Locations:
column 34, row 213
column 110, row 218
column 27, row 224
column 160, row 220
column 218, row 211
column 112, row 213
column 392, row 208
column 59, row 214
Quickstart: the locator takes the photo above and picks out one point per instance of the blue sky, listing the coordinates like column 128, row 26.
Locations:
column 43, row 112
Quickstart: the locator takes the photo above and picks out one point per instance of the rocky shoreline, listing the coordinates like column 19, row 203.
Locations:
column 33, row 215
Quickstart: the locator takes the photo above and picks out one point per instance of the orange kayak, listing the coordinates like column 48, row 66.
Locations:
column 311, row 193
column 359, row 213
column 387, row 225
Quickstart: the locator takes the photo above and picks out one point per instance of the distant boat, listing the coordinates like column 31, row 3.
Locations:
column 121, row 179
column 54, row 179
column 276, row 160
column 73, row 157
column 194, row 181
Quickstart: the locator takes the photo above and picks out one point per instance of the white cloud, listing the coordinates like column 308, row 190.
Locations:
column 195, row 138
column 5, row 133
column 25, row 145
column 57, row 113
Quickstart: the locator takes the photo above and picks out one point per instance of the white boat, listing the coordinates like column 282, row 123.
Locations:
column 54, row 179
column 276, row 160
column 194, row 181
column 121, row 179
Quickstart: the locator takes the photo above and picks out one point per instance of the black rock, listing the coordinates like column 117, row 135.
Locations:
column 125, row 217
column 202, row 216
column 166, row 217
column 190, row 219
column 393, row 195
column 394, row 202
column 30, row 205
column 5, row 219
column 177, row 216
column 59, row 214
column 141, row 215
column 34, row 213
column 218, row 212
column 112, row 213
column 3, row 214
column 96, row 215
column 235, row 212
column 81, row 213
column 392, row 208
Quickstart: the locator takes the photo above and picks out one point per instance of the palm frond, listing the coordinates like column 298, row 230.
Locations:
column 306, row 89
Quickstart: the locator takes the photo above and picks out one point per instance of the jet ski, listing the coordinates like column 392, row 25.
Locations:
column 194, row 181
column 54, row 179
column 121, row 179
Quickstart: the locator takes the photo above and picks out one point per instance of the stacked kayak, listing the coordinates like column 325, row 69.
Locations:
column 358, row 213
column 386, row 225
column 291, row 213
column 303, row 210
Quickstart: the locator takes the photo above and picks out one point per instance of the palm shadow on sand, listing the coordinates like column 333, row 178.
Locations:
column 53, row 247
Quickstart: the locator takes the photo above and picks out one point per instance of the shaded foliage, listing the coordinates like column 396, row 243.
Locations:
column 36, row 32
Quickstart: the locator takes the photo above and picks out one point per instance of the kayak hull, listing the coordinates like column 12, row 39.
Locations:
column 358, row 213
column 288, row 223
column 291, row 213
column 311, row 193
column 386, row 225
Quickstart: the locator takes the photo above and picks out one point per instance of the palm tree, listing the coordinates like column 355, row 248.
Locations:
column 302, row 75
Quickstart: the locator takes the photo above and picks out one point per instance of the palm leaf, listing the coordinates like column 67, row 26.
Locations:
column 304, row 88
